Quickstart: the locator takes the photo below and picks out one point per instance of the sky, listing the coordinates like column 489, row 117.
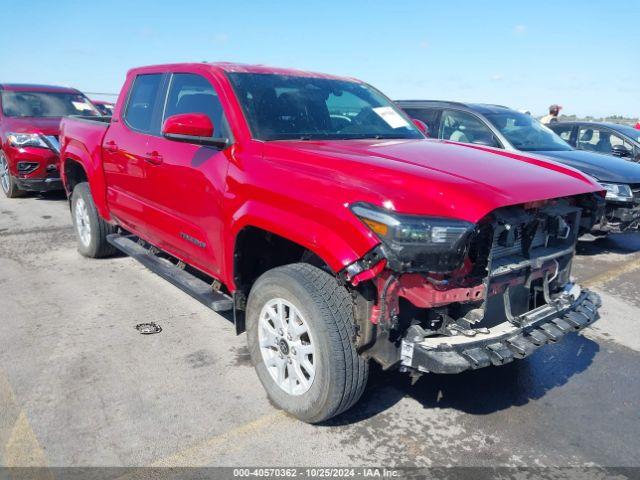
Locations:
column 583, row 55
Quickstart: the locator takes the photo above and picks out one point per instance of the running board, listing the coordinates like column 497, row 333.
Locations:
column 188, row 283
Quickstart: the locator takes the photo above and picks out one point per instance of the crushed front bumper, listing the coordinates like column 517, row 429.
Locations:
column 618, row 219
column 502, row 343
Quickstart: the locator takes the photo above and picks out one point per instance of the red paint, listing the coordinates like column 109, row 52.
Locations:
column 369, row 274
column 193, row 124
column 45, row 157
column 299, row 190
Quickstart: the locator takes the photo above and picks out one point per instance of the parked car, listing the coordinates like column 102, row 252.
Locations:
column 313, row 208
column 105, row 108
column 29, row 125
column 501, row 127
column 601, row 137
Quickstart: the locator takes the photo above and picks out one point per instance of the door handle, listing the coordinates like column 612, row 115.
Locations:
column 154, row 158
column 111, row 146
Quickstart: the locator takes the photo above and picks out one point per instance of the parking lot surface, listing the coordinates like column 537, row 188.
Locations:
column 80, row 386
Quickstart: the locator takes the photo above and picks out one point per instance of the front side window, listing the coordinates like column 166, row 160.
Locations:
column 142, row 100
column 190, row 93
column 46, row 104
column 526, row 133
column 284, row 107
column 630, row 132
column 465, row 128
column 600, row 140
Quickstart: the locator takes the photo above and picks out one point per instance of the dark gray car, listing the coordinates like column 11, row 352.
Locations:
column 501, row 127
column 601, row 137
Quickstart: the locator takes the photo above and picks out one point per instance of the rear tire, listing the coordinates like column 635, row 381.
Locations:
column 7, row 182
column 334, row 374
column 91, row 229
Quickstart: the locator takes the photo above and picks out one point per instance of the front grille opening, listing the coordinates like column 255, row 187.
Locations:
column 25, row 168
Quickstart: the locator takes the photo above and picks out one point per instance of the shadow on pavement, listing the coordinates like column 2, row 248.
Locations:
column 478, row 392
column 50, row 196
column 622, row 243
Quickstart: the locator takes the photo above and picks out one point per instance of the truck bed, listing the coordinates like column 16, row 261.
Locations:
column 83, row 132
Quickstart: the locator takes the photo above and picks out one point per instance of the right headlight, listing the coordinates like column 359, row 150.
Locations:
column 26, row 140
column 417, row 243
column 618, row 192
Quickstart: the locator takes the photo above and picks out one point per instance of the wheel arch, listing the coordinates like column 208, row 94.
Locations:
column 76, row 166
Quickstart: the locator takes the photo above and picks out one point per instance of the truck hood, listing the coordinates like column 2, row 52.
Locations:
column 42, row 125
column 427, row 177
column 606, row 168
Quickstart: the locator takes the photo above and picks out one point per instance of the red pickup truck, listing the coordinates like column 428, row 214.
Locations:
column 312, row 207
column 29, row 124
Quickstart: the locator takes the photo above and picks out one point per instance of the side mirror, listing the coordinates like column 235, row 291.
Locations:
column 421, row 126
column 192, row 128
column 190, row 124
column 620, row 151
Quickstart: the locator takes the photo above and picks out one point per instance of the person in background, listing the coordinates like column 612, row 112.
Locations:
column 638, row 126
column 554, row 111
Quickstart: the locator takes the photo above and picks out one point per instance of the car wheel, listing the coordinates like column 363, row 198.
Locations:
column 300, row 328
column 7, row 182
column 91, row 229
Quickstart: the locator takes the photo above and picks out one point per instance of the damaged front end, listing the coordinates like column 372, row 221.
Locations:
column 622, row 212
column 444, row 296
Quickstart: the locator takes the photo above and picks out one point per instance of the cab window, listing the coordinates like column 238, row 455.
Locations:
column 191, row 93
column 141, row 103
column 466, row 128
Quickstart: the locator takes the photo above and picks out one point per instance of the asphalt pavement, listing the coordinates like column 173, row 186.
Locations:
column 79, row 386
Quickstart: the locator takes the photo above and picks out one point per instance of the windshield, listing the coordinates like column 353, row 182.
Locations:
column 281, row 107
column 630, row 132
column 525, row 132
column 45, row 104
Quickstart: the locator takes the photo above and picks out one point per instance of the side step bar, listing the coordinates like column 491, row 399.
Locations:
column 188, row 283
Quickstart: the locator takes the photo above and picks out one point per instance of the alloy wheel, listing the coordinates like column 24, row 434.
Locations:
column 83, row 225
column 286, row 345
column 4, row 173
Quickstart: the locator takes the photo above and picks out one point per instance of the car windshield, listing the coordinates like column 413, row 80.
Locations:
column 630, row 132
column 526, row 133
column 284, row 107
column 45, row 104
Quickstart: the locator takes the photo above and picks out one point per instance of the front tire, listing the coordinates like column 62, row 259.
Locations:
column 7, row 182
column 300, row 328
column 91, row 229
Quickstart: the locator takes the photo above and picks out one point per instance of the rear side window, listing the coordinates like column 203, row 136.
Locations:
column 142, row 100
column 564, row 131
column 465, row 128
column 190, row 93
column 428, row 116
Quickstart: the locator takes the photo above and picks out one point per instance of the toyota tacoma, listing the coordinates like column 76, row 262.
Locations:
column 315, row 210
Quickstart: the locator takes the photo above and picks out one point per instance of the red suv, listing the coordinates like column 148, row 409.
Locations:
column 29, row 126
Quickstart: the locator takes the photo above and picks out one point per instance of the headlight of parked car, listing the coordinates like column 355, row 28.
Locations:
column 618, row 192
column 26, row 140
column 416, row 243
